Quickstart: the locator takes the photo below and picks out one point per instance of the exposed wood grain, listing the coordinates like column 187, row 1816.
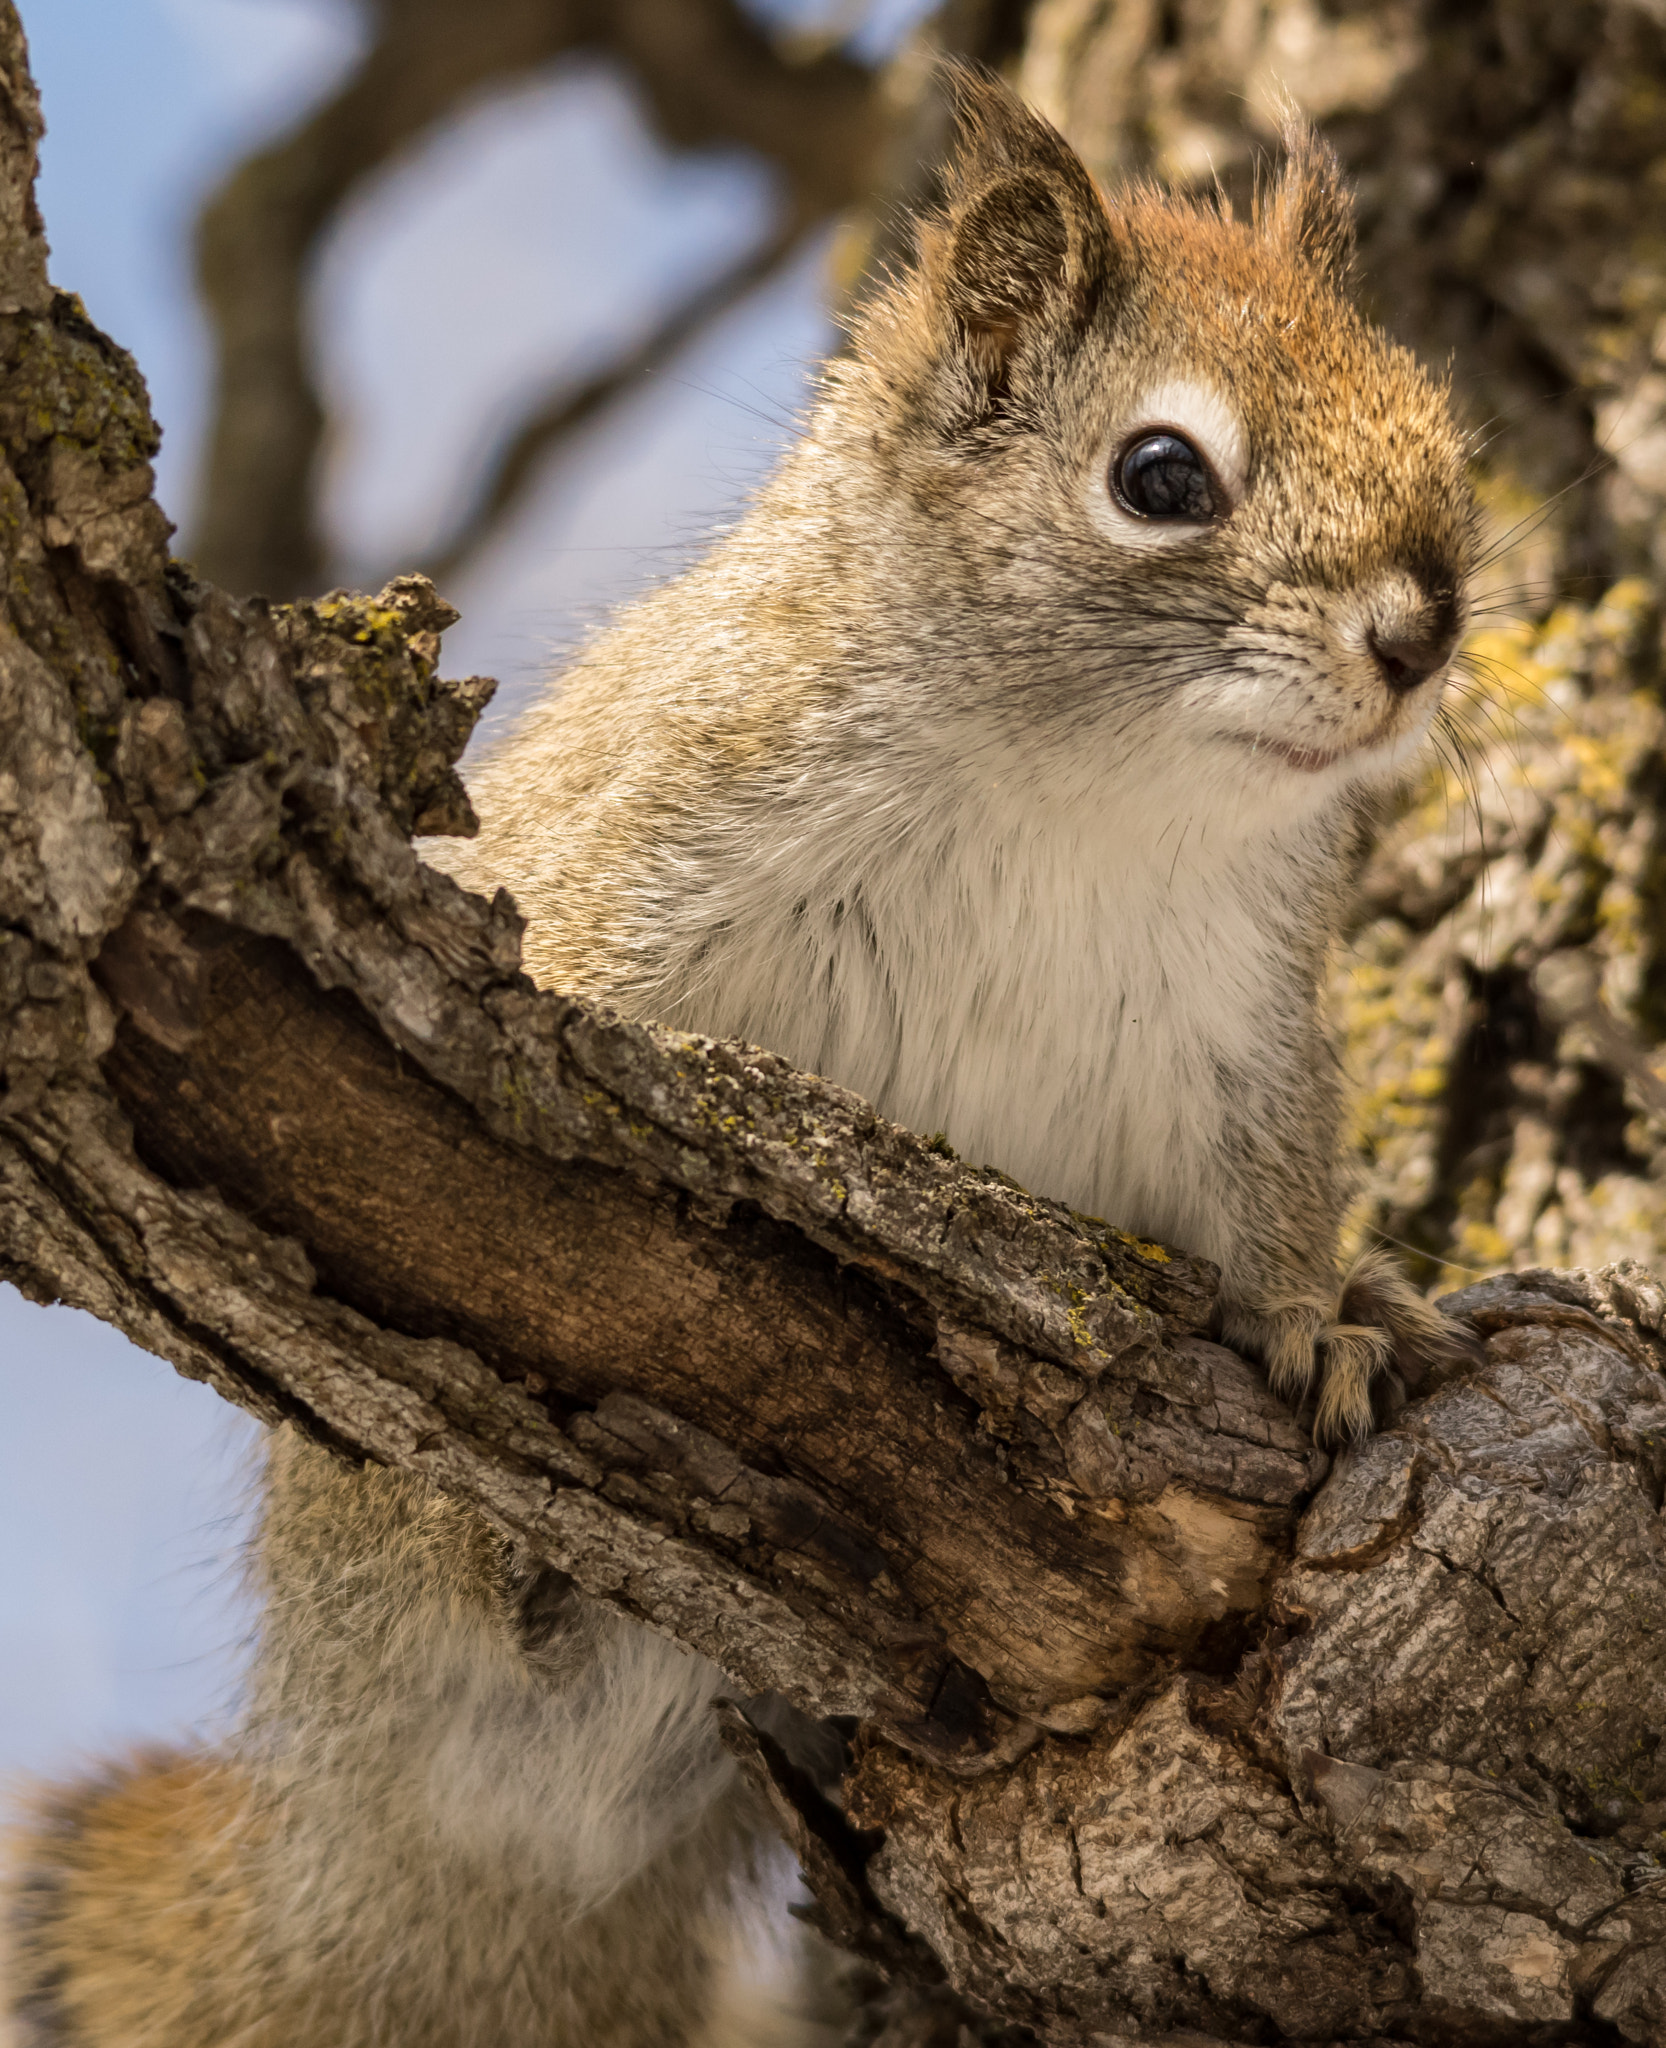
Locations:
column 583, row 1284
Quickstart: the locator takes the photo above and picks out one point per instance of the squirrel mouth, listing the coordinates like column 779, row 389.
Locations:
column 1311, row 760
column 1306, row 760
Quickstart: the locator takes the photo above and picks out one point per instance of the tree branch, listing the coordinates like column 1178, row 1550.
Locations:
column 516, row 465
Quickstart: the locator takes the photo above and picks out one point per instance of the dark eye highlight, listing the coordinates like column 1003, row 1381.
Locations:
column 1162, row 476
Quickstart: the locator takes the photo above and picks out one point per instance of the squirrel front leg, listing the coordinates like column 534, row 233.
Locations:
column 1286, row 1299
column 1349, row 1335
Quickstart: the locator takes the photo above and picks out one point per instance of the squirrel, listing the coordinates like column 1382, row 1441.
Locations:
column 1008, row 764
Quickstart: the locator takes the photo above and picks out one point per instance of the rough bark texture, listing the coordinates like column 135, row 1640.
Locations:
column 1503, row 1000
column 1427, row 1805
column 1165, row 1734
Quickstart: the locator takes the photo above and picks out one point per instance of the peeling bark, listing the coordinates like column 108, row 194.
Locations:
column 1167, row 1731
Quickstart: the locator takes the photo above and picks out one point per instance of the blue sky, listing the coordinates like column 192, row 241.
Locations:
column 520, row 243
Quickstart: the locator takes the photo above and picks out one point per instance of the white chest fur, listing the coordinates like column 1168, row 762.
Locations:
column 1069, row 992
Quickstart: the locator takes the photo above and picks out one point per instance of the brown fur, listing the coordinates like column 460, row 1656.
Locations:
column 301, row 1890
column 124, row 1885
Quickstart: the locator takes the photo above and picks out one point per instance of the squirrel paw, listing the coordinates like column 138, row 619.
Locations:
column 1381, row 1336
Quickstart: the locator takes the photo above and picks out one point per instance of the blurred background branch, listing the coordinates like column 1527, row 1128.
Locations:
column 516, row 462
column 707, row 73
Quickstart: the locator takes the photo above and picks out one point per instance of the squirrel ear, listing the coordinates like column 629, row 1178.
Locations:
column 1310, row 209
column 1009, row 251
column 1025, row 237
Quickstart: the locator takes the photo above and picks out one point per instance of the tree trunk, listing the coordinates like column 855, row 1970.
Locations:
column 1166, row 1729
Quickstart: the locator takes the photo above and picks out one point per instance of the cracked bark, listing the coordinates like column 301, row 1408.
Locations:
column 1166, row 1729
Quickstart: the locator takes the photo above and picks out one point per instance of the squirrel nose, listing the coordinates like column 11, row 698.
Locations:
column 1407, row 659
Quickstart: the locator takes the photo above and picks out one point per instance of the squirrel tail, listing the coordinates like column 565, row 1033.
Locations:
column 455, row 1817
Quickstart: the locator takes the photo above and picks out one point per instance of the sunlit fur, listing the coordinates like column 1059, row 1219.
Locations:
column 949, row 779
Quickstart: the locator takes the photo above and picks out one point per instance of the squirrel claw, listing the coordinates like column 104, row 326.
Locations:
column 1383, row 1337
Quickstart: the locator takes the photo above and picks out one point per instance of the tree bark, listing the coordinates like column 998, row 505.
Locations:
column 1166, row 1729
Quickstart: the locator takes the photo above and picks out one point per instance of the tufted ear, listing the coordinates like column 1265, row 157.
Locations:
column 1309, row 211
column 1025, row 243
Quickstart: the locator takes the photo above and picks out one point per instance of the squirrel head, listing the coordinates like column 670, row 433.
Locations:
column 1166, row 474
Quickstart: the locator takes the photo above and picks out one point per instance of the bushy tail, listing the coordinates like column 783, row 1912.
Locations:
column 127, row 1921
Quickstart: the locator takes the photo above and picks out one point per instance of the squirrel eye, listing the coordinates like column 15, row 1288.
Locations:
column 1162, row 476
